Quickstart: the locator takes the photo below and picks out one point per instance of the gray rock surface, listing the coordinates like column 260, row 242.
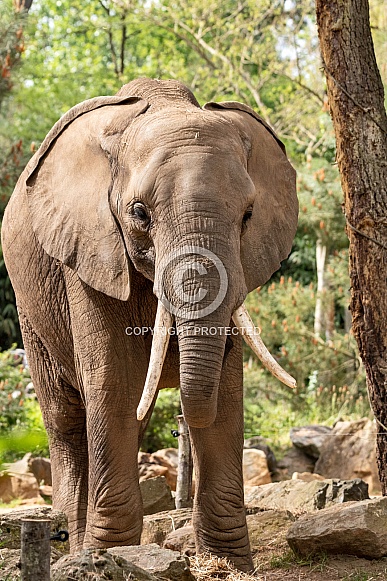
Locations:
column 296, row 460
column 298, row 497
column 182, row 540
column 18, row 485
column 267, row 527
column 259, row 443
column 162, row 563
column 255, row 468
column 156, row 495
column 350, row 452
column 310, row 439
column 355, row 528
column 168, row 457
column 156, row 527
column 95, row 565
column 41, row 469
column 10, row 526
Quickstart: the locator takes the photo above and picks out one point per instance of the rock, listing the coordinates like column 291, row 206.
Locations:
column 267, row 527
column 45, row 491
column 296, row 460
column 356, row 528
column 20, row 466
column 298, row 497
column 306, row 476
column 255, row 468
column 156, row 527
column 169, row 459
column 182, row 540
column 95, row 564
column 156, row 495
column 351, row 453
column 10, row 525
column 41, row 469
column 10, row 563
column 162, row 563
column 310, row 439
column 151, row 470
column 259, row 443
column 17, row 485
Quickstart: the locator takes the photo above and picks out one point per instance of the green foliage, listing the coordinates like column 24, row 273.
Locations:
column 158, row 433
column 21, row 425
column 14, row 379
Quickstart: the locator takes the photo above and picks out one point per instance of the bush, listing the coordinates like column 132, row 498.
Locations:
column 158, row 434
column 21, row 424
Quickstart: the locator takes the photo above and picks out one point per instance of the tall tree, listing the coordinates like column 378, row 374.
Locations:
column 356, row 100
column 11, row 49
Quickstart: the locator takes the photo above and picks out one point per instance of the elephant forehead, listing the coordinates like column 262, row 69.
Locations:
column 165, row 134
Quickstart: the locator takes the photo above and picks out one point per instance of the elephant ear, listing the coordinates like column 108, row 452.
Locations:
column 271, row 229
column 68, row 192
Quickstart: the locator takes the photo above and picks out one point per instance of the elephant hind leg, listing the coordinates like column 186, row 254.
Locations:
column 65, row 421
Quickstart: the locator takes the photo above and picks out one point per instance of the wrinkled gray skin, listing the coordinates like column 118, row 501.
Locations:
column 82, row 260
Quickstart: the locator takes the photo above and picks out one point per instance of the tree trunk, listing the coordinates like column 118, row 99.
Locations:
column 319, row 317
column 356, row 100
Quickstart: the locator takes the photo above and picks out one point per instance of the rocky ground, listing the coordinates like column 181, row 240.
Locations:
column 310, row 516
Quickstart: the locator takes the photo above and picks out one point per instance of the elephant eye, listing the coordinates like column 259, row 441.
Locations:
column 246, row 217
column 140, row 212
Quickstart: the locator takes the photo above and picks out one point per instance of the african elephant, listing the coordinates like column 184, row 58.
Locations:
column 144, row 211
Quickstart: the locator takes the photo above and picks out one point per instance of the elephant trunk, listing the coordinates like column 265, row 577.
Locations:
column 203, row 290
column 201, row 349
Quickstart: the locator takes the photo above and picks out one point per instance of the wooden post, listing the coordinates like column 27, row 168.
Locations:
column 35, row 550
column 184, row 470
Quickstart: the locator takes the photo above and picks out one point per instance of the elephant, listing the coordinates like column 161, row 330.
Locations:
column 132, row 239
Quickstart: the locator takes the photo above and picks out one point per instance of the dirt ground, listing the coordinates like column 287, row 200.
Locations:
column 280, row 564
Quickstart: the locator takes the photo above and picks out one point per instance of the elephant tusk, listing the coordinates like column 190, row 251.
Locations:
column 247, row 329
column 160, row 341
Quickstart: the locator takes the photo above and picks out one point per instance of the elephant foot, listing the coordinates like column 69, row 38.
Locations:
column 243, row 563
column 232, row 544
column 105, row 533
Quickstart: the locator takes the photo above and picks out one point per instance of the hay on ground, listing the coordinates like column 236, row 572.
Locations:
column 210, row 568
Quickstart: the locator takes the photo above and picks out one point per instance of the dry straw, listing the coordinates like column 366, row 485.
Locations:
column 211, row 568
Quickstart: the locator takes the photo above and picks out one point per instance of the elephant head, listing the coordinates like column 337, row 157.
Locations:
column 148, row 179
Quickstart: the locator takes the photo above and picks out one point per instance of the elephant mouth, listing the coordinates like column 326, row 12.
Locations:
column 160, row 342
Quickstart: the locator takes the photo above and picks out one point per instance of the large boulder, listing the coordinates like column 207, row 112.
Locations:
column 41, row 469
column 296, row 460
column 10, row 563
column 156, row 527
column 355, row 528
column 259, row 443
column 148, row 468
column 168, row 458
column 255, row 468
column 156, row 495
column 310, row 439
column 298, row 497
column 162, row 563
column 95, row 564
column 181, row 540
column 18, row 485
column 307, row 476
column 350, row 452
column 267, row 528
column 10, row 526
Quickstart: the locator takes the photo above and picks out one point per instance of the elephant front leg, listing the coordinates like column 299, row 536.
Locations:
column 114, row 515
column 219, row 515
